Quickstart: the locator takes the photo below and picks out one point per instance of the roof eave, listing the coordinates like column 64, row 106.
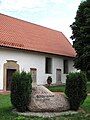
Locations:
column 64, row 55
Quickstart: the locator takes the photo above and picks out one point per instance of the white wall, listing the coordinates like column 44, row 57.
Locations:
column 27, row 60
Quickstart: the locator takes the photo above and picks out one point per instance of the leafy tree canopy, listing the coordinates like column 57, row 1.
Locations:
column 81, row 36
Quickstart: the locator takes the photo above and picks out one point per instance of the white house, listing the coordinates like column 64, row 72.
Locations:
column 26, row 46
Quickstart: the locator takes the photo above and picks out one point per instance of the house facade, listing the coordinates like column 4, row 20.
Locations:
column 32, row 48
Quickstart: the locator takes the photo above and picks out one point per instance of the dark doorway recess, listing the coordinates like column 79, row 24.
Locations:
column 9, row 78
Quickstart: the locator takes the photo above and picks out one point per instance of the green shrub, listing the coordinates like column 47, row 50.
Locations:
column 49, row 80
column 76, row 89
column 21, row 89
column 88, row 75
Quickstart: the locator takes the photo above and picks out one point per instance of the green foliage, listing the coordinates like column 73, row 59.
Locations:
column 88, row 75
column 21, row 89
column 76, row 89
column 81, row 36
column 7, row 114
column 88, row 87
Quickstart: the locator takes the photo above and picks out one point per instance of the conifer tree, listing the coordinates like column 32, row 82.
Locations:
column 81, row 36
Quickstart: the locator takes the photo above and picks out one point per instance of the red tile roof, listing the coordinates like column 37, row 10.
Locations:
column 17, row 33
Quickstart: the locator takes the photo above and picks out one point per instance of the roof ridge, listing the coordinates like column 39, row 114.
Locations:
column 21, row 34
column 67, row 39
column 19, row 19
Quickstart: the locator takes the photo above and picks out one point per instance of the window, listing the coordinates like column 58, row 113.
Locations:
column 65, row 66
column 48, row 65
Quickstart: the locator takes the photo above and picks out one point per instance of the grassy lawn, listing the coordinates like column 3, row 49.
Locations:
column 86, row 105
column 6, row 108
column 6, row 112
column 61, row 88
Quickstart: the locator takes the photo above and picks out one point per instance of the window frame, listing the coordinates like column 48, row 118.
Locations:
column 65, row 66
column 48, row 63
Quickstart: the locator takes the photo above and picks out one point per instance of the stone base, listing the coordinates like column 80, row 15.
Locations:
column 43, row 100
column 45, row 114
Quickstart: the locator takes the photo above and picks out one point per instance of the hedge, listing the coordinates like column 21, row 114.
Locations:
column 21, row 88
column 76, row 89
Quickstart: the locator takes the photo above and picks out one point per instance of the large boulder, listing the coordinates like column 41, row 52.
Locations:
column 43, row 100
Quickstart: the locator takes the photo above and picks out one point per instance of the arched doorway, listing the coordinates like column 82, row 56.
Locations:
column 9, row 68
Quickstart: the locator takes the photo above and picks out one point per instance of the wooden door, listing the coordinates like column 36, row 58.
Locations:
column 58, row 75
column 34, row 75
column 9, row 78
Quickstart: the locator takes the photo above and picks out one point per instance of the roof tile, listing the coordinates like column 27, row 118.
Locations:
column 20, row 34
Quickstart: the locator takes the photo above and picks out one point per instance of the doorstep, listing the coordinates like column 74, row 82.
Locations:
column 4, row 92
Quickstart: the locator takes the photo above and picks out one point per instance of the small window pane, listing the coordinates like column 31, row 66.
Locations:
column 48, row 65
column 65, row 66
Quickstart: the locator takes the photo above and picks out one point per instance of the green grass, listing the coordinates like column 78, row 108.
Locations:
column 6, row 112
column 6, row 108
column 60, row 88
column 86, row 105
